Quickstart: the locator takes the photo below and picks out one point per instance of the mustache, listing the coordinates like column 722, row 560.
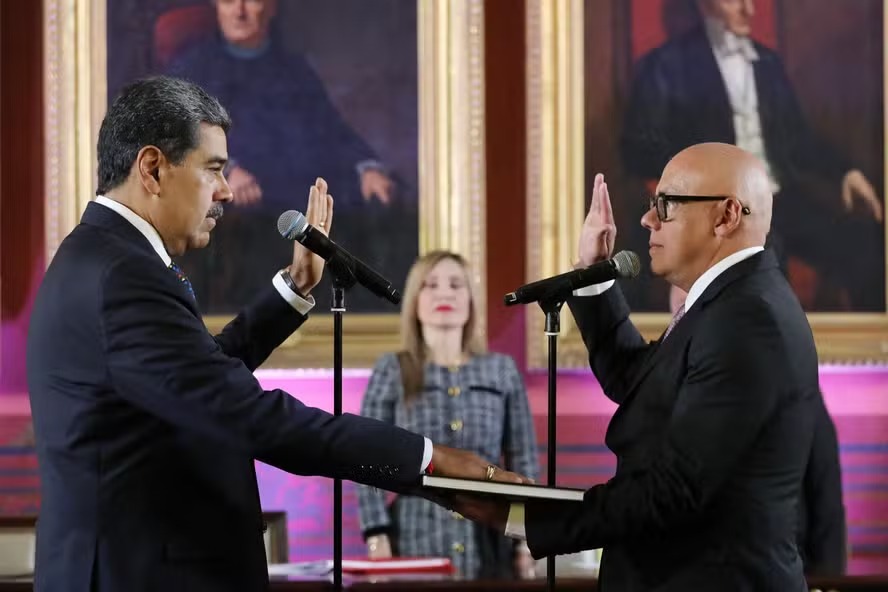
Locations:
column 215, row 212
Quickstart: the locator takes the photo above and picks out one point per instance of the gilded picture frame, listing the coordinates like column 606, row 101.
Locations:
column 557, row 180
column 451, row 167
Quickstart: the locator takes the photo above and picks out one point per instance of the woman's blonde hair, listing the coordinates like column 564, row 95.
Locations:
column 413, row 353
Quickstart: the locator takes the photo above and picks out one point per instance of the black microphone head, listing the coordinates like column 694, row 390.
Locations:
column 292, row 224
column 627, row 264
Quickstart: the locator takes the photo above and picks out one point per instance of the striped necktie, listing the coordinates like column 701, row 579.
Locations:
column 182, row 278
column 677, row 317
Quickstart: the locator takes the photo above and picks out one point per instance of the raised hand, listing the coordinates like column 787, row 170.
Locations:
column 599, row 231
column 307, row 268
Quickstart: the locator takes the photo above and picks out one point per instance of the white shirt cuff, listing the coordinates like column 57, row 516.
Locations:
column 515, row 522
column 594, row 289
column 426, row 456
column 302, row 305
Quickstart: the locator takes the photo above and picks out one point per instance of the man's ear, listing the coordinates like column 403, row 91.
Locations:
column 148, row 164
column 729, row 217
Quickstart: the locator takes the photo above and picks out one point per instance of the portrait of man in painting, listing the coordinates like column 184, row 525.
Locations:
column 304, row 104
column 797, row 82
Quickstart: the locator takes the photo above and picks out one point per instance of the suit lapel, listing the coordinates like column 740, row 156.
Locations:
column 662, row 349
column 107, row 219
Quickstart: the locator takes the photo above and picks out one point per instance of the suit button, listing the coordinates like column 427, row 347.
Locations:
column 453, row 391
column 458, row 547
column 456, row 425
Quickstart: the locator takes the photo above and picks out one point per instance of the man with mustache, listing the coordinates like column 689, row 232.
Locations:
column 146, row 426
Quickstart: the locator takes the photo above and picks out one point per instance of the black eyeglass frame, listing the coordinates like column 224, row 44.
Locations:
column 655, row 201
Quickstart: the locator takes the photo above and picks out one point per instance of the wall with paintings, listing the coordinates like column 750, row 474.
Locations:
column 617, row 33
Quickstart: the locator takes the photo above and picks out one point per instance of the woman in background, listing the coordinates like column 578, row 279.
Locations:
column 445, row 386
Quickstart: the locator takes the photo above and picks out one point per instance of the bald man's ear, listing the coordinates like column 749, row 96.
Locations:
column 730, row 214
column 148, row 163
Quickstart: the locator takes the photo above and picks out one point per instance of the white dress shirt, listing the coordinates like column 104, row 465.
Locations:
column 735, row 57
column 302, row 305
column 515, row 522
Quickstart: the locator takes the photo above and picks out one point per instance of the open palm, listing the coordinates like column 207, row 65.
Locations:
column 599, row 231
column 308, row 267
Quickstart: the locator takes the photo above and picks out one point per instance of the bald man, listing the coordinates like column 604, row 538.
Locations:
column 714, row 423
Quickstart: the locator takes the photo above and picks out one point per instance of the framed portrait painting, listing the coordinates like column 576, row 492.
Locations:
column 619, row 87
column 384, row 100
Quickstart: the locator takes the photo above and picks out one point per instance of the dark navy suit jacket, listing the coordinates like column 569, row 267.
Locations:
column 823, row 534
column 712, row 436
column 147, row 426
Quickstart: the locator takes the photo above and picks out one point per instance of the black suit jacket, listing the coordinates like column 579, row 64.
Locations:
column 711, row 436
column 822, row 534
column 679, row 99
column 147, row 426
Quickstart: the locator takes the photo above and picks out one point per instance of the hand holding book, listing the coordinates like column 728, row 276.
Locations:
column 494, row 512
column 490, row 502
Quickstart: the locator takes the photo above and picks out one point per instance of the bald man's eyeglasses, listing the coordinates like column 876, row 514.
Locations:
column 660, row 203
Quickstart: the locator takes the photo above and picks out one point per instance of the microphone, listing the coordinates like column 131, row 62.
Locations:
column 293, row 226
column 624, row 264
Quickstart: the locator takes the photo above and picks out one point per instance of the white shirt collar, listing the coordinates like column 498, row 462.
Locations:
column 141, row 225
column 725, row 43
column 716, row 270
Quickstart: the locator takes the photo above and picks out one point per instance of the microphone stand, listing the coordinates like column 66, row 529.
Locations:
column 343, row 279
column 551, row 305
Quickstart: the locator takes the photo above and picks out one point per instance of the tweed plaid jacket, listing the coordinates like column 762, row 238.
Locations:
column 481, row 406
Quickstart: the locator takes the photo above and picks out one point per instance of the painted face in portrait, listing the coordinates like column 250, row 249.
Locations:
column 736, row 15
column 445, row 299
column 245, row 23
column 190, row 196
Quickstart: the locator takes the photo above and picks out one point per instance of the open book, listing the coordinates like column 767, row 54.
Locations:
column 394, row 565
column 511, row 491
